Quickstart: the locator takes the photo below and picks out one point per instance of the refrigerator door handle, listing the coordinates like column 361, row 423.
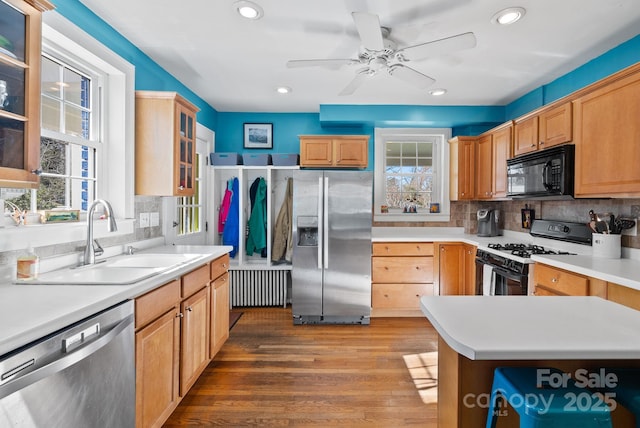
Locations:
column 325, row 218
column 320, row 224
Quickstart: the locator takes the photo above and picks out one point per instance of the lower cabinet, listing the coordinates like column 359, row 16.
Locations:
column 551, row 281
column 219, row 313
column 402, row 272
column 174, row 338
column 623, row 295
column 456, row 269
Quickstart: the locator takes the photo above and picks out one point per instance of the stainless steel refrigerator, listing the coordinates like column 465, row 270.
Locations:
column 331, row 274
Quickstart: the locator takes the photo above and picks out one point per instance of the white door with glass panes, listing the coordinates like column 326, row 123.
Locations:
column 185, row 217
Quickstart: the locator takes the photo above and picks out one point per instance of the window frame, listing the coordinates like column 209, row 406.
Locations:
column 440, row 167
column 118, row 119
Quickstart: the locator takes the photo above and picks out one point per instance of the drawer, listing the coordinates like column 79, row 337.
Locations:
column 403, row 249
column 195, row 280
column 219, row 266
column 402, row 269
column 561, row 281
column 624, row 295
column 399, row 296
column 157, row 302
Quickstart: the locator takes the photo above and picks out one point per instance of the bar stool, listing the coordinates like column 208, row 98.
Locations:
column 544, row 407
column 627, row 390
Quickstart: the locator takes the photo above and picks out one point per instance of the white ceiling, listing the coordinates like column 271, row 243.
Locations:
column 235, row 64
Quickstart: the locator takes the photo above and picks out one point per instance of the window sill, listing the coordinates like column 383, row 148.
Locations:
column 14, row 238
column 414, row 217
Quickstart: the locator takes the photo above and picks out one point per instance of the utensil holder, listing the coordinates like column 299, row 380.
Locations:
column 606, row 245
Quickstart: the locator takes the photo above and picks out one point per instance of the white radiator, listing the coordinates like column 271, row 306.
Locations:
column 258, row 287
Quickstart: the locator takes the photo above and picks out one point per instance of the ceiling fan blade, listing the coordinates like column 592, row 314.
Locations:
column 355, row 83
column 438, row 47
column 368, row 26
column 411, row 76
column 320, row 62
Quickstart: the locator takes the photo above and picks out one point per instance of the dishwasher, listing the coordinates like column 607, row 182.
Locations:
column 80, row 376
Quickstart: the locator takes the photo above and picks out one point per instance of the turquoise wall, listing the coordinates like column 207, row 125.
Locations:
column 345, row 119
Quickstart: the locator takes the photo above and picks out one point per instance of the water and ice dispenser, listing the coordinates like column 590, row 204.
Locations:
column 307, row 231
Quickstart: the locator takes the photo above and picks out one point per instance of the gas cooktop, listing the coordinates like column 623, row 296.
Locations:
column 525, row 250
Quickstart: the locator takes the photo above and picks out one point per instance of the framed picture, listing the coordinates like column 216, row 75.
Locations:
column 258, row 135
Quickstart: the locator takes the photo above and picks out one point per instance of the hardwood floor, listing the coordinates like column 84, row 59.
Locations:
column 272, row 373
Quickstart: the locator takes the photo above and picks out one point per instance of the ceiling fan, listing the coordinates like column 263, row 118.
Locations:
column 379, row 53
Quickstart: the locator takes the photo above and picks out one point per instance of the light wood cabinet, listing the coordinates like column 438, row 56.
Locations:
column 347, row 151
column 219, row 304
column 462, row 168
column 543, row 128
column 552, row 281
column 20, row 109
column 451, row 269
column 402, row 272
column 157, row 341
column 493, row 150
column 470, row 270
column 194, row 349
column 165, row 144
column 607, row 131
column 174, row 334
column 624, row 295
column 484, row 166
column 456, row 269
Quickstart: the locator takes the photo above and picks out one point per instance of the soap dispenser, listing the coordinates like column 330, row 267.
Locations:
column 28, row 264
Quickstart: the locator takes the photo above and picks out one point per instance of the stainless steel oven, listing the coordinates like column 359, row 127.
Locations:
column 497, row 275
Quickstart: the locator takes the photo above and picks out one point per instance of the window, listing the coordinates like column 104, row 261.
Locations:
column 411, row 171
column 190, row 208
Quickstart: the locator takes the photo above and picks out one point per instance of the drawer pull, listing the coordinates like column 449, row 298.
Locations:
column 554, row 279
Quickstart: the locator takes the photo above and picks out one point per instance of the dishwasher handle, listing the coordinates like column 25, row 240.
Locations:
column 20, row 382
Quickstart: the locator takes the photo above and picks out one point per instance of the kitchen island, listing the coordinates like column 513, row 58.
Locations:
column 479, row 333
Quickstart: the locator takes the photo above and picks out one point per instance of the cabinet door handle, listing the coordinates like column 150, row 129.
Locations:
column 179, row 315
column 180, row 187
column 541, row 143
column 533, row 145
column 189, row 308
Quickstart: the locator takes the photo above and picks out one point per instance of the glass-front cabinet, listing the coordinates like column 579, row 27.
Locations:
column 20, row 45
column 165, row 144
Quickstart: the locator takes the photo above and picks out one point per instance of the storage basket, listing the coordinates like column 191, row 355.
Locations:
column 285, row 159
column 257, row 159
column 225, row 159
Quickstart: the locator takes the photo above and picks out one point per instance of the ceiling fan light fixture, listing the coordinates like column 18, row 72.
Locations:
column 283, row 90
column 437, row 92
column 508, row 16
column 248, row 9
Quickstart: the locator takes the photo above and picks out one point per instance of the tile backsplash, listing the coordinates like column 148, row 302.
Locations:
column 463, row 214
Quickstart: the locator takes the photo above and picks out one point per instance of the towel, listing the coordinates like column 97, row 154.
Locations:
column 488, row 284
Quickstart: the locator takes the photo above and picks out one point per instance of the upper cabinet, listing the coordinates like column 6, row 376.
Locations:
column 493, row 150
column 462, row 168
column 543, row 128
column 165, row 144
column 347, row 151
column 20, row 49
column 607, row 132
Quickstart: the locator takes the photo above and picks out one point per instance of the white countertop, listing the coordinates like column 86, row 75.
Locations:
column 30, row 312
column 534, row 327
column 623, row 271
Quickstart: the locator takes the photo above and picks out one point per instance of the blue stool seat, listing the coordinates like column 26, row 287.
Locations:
column 627, row 391
column 544, row 407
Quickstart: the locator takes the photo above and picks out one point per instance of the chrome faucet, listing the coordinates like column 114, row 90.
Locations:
column 90, row 250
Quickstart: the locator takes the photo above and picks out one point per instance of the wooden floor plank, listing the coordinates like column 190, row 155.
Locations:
column 271, row 373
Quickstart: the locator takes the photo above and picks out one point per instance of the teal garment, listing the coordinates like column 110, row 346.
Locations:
column 257, row 237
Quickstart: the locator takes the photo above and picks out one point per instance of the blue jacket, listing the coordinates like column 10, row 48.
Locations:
column 231, row 233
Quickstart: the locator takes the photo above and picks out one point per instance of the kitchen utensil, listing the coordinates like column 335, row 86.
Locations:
column 626, row 222
column 604, row 220
column 592, row 221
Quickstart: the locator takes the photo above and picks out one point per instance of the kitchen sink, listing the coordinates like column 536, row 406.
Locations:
column 119, row 270
column 100, row 274
column 144, row 260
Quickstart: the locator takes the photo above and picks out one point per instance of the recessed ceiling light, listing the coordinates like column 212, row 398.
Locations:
column 437, row 92
column 283, row 89
column 508, row 16
column 248, row 9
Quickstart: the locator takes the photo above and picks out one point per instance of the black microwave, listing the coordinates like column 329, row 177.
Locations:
column 546, row 174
